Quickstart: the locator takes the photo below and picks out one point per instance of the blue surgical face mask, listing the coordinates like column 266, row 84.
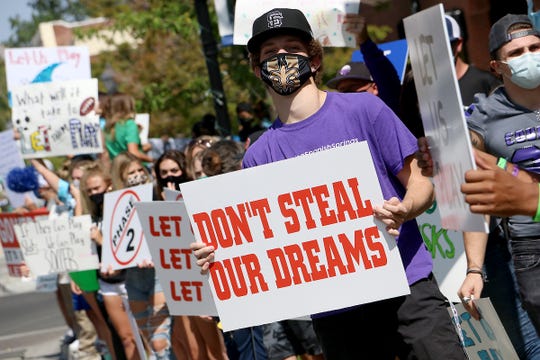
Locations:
column 533, row 16
column 525, row 70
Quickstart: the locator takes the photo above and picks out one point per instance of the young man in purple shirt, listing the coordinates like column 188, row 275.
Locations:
column 285, row 55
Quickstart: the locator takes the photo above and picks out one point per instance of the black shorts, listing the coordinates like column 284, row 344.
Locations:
column 416, row 326
column 289, row 338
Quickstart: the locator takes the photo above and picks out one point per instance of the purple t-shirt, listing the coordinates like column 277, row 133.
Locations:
column 344, row 119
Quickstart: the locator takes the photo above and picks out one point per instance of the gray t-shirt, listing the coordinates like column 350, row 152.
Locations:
column 512, row 132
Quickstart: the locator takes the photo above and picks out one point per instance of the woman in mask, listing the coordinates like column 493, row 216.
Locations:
column 193, row 337
column 145, row 294
column 94, row 184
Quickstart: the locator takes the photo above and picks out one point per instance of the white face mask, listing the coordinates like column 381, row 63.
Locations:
column 525, row 70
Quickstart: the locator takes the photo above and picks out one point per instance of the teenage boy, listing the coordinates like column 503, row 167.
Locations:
column 288, row 59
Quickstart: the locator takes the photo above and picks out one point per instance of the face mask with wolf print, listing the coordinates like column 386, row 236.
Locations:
column 286, row 73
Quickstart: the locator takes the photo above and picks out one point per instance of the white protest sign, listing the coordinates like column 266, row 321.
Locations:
column 56, row 118
column 143, row 121
column 172, row 195
column 168, row 234
column 52, row 246
column 447, row 251
column 325, row 17
column 485, row 339
column 442, row 115
column 123, row 239
column 10, row 244
column 301, row 246
column 11, row 158
column 39, row 64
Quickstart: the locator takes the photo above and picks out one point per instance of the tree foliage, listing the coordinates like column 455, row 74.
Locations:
column 165, row 71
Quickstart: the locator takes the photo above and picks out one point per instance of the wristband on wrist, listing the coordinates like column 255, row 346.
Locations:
column 537, row 215
column 477, row 271
column 502, row 163
column 515, row 171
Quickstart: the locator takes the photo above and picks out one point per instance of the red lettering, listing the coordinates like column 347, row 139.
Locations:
column 304, row 198
column 293, row 225
column 311, row 248
column 261, row 208
column 175, row 258
column 321, row 194
column 333, row 258
column 219, row 280
column 239, row 224
column 206, row 231
column 362, row 209
column 221, row 227
column 281, row 269
column 296, row 260
column 253, row 269
column 186, row 289
column 343, row 203
column 376, row 246
column 354, row 252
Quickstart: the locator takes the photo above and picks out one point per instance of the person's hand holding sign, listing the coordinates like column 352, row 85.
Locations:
column 392, row 213
column 204, row 255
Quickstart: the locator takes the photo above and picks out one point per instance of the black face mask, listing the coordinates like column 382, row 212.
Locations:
column 97, row 199
column 286, row 73
column 176, row 180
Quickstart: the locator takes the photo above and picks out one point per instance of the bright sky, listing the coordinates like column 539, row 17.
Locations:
column 11, row 8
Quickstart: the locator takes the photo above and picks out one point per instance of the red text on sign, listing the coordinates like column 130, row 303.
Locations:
column 175, row 258
column 300, row 263
column 166, row 226
column 240, row 276
column 229, row 226
column 295, row 206
column 186, row 290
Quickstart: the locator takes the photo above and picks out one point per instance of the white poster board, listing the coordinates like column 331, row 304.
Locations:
column 10, row 244
column 168, row 234
column 172, row 195
column 143, row 122
column 39, row 64
column 442, row 115
column 485, row 339
column 306, row 245
column 325, row 17
column 124, row 245
column 57, row 118
column 11, row 158
column 51, row 246
column 447, row 251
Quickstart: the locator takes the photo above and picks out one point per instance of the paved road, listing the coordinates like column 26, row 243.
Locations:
column 29, row 320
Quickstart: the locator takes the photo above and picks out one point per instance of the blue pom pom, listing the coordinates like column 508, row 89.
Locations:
column 21, row 180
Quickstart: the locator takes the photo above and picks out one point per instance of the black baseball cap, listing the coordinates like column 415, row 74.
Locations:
column 498, row 35
column 352, row 70
column 276, row 21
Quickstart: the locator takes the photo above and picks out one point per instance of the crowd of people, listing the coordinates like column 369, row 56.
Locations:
column 370, row 105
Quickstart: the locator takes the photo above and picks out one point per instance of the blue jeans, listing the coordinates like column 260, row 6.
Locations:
column 246, row 344
column 526, row 257
column 502, row 289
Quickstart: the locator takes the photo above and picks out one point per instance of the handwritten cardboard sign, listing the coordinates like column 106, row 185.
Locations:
column 325, row 17
column 56, row 245
column 39, row 64
column 442, row 115
column 447, row 251
column 168, row 234
column 306, row 244
column 56, row 118
column 484, row 339
column 10, row 244
column 123, row 238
